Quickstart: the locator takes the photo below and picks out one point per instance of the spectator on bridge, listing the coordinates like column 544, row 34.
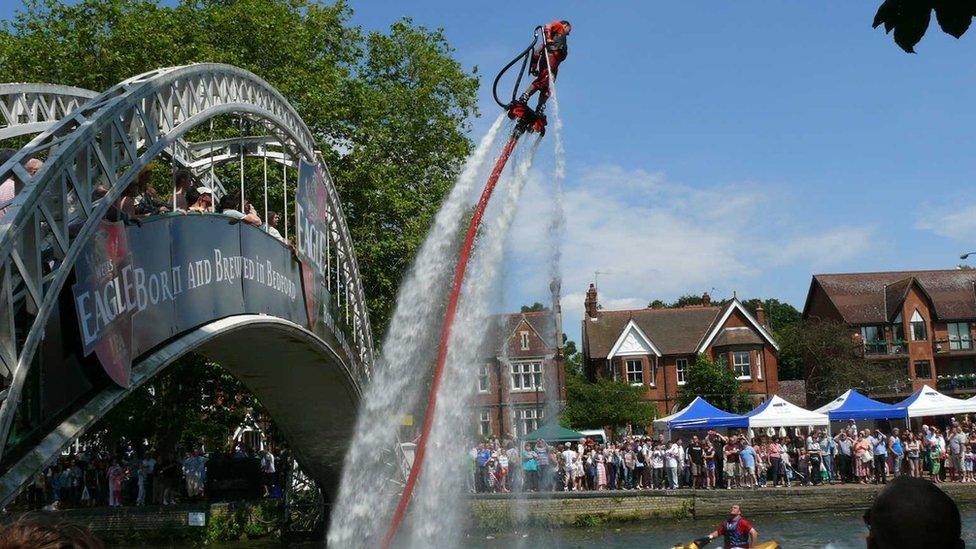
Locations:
column 184, row 192
column 8, row 187
column 203, row 202
column 230, row 201
column 143, row 201
column 272, row 221
column 33, row 165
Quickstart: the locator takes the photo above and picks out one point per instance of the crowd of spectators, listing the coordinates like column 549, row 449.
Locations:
column 97, row 478
column 738, row 459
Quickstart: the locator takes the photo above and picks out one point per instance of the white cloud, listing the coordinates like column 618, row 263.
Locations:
column 654, row 238
column 957, row 223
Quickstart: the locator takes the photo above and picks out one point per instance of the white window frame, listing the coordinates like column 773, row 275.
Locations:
column 484, row 419
column 484, row 376
column 921, row 321
column 522, row 417
column 736, row 365
column 524, row 340
column 639, row 371
column 526, row 371
column 759, row 365
column 681, row 370
column 962, row 339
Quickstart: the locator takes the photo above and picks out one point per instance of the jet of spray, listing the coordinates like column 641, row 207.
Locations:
column 365, row 501
column 439, row 512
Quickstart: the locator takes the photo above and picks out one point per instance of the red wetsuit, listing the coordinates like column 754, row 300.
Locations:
column 556, row 51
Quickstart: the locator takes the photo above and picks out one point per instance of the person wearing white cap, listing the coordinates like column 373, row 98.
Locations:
column 204, row 201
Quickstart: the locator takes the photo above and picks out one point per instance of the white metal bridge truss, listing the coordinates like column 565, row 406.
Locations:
column 103, row 141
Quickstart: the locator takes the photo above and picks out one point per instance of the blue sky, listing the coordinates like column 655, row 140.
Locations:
column 740, row 146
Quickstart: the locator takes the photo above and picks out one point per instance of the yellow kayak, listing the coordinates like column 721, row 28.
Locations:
column 694, row 545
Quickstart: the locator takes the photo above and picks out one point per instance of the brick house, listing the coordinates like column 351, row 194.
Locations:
column 524, row 382
column 920, row 322
column 654, row 348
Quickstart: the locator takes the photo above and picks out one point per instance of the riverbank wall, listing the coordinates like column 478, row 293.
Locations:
column 496, row 511
column 182, row 525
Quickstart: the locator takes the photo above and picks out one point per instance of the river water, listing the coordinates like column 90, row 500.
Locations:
column 820, row 531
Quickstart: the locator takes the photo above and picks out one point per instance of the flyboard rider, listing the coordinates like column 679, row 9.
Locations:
column 547, row 57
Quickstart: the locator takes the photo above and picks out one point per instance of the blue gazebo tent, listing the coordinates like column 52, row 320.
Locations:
column 700, row 415
column 854, row 405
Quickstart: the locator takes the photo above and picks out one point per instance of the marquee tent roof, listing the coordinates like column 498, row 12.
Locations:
column 929, row 402
column 553, row 433
column 700, row 415
column 854, row 405
column 776, row 412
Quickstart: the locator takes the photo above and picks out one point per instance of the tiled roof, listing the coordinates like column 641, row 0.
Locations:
column 504, row 325
column 739, row 335
column 673, row 331
column 863, row 298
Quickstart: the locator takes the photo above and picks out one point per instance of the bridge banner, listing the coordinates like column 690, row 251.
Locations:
column 318, row 268
column 312, row 216
column 138, row 286
column 102, row 314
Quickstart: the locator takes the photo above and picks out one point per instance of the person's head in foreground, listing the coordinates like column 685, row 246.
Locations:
column 912, row 512
column 37, row 533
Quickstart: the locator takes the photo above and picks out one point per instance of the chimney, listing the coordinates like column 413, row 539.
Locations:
column 590, row 303
column 706, row 300
column 761, row 316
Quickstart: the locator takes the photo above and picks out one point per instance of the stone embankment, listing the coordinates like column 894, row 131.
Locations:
column 497, row 511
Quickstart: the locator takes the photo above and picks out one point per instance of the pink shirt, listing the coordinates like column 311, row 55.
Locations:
column 6, row 194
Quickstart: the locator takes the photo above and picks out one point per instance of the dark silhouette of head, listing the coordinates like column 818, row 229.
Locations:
column 912, row 512
column 38, row 532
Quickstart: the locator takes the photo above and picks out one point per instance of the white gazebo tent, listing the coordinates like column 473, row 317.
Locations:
column 929, row 402
column 777, row 412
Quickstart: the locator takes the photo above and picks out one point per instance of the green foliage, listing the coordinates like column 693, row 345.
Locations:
column 572, row 358
column 778, row 314
column 910, row 19
column 824, row 354
column 389, row 110
column 714, row 381
column 534, row 308
column 193, row 403
column 604, row 403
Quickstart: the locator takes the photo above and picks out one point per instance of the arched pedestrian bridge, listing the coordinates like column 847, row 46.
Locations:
column 91, row 306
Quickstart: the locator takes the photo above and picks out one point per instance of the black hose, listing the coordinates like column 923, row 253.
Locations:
column 524, row 57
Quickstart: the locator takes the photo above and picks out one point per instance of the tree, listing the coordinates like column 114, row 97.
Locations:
column 714, row 381
column 778, row 314
column 827, row 357
column 534, row 308
column 604, row 403
column 910, row 19
column 193, row 403
column 389, row 111
column 572, row 358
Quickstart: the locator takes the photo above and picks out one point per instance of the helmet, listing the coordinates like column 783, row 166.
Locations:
column 569, row 28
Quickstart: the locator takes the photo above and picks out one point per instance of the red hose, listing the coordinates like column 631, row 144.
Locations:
column 462, row 265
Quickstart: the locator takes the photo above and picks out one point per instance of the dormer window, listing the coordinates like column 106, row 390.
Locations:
column 919, row 332
column 524, row 340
